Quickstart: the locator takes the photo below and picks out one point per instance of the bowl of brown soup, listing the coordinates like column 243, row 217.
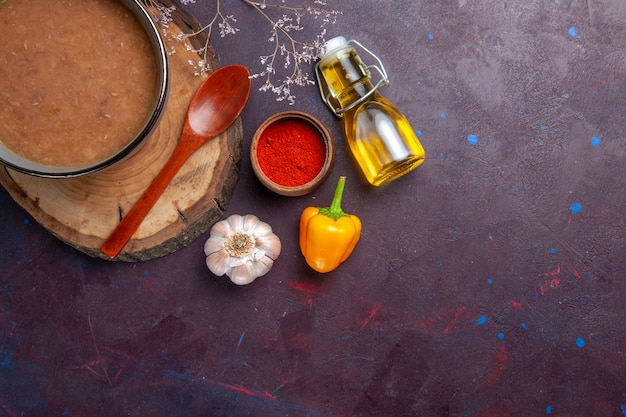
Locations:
column 82, row 84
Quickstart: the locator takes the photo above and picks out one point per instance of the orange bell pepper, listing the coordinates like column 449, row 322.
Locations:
column 328, row 235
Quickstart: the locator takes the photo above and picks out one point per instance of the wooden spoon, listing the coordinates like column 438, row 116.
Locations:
column 213, row 108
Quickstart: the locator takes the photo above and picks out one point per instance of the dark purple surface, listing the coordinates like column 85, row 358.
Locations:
column 491, row 281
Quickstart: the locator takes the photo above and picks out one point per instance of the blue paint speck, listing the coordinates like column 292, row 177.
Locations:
column 6, row 361
column 430, row 37
column 472, row 139
column 549, row 409
column 572, row 32
column 580, row 342
column 575, row 208
column 146, row 272
column 489, row 281
column 501, row 336
column 443, row 116
column 26, row 221
column 481, row 320
column 524, row 325
column 595, row 141
column 553, row 250
column 542, row 127
column 418, row 133
column 623, row 407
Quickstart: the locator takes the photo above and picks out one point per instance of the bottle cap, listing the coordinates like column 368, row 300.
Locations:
column 334, row 44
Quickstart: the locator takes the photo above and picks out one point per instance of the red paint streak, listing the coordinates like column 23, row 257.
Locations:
column 516, row 304
column 554, row 273
column 553, row 283
column 499, row 365
column 307, row 289
column 109, row 360
column 461, row 313
column 371, row 315
column 550, row 285
column 575, row 272
column 243, row 390
column 427, row 323
column 302, row 287
column 460, row 317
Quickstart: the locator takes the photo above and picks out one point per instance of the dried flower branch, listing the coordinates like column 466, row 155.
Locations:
column 283, row 66
column 162, row 15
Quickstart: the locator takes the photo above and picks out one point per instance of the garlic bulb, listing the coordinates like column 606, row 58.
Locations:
column 242, row 247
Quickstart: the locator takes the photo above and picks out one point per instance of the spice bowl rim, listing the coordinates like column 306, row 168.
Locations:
column 329, row 160
column 18, row 163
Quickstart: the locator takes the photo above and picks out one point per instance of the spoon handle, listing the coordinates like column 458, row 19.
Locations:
column 122, row 233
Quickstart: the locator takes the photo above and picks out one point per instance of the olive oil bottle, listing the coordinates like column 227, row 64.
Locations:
column 380, row 137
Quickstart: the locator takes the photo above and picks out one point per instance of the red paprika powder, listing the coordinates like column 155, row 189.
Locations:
column 291, row 152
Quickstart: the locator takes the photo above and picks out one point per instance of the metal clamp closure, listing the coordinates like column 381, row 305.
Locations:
column 326, row 94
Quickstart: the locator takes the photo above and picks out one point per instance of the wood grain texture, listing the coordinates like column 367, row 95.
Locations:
column 83, row 211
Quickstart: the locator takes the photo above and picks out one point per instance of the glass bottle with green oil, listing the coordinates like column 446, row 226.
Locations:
column 379, row 136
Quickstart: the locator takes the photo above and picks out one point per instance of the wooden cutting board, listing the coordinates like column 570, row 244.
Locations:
column 83, row 211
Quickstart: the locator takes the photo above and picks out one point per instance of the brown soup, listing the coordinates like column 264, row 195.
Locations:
column 78, row 79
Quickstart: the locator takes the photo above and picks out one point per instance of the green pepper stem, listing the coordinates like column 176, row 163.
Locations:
column 334, row 211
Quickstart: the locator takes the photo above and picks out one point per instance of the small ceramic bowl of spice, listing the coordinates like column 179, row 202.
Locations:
column 292, row 153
